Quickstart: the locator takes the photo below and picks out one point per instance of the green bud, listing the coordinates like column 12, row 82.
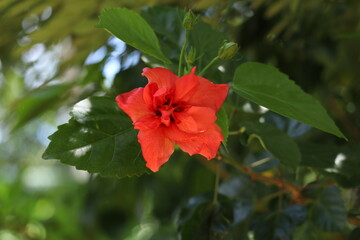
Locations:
column 190, row 56
column 189, row 20
column 228, row 50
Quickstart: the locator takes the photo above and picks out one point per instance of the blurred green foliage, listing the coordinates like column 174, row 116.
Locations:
column 43, row 49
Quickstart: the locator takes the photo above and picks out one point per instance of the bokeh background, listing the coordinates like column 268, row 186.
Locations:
column 52, row 56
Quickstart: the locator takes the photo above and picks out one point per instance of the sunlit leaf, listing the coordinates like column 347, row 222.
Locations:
column 99, row 138
column 130, row 27
column 268, row 87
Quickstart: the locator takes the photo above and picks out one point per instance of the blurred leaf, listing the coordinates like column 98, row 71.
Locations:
column 318, row 155
column 328, row 211
column 37, row 102
column 223, row 122
column 130, row 27
column 290, row 126
column 268, row 87
column 236, row 188
column 355, row 234
column 339, row 163
column 279, row 225
column 198, row 225
column 306, row 231
column 99, row 138
column 280, row 145
column 346, row 167
column 201, row 219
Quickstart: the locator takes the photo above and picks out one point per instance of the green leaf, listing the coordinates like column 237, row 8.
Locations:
column 280, row 145
column 346, row 167
column 275, row 225
column 198, row 225
column 318, row 155
column 37, row 102
column 306, row 231
column 98, row 138
column 223, row 122
column 130, row 27
column 339, row 163
column 268, row 87
column 206, row 41
column 328, row 211
column 201, row 219
column 355, row 234
column 167, row 24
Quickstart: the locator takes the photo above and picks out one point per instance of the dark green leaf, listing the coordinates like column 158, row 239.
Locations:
column 318, row 155
column 306, row 231
column 340, row 163
column 328, row 211
column 198, row 225
column 280, row 145
column 223, row 122
column 346, row 167
column 279, row 225
column 207, row 41
column 201, row 219
column 268, row 87
column 167, row 24
column 99, row 138
column 273, row 226
column 355, row 234
column 130, row 27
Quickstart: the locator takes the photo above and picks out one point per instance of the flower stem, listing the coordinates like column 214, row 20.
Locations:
column 294, row 190
column 183, row 52
column 217, row 180
column 234, row 132
column 215, row 59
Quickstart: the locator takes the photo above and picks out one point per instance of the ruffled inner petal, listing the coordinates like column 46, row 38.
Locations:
column 133, row 104
column 195, row 119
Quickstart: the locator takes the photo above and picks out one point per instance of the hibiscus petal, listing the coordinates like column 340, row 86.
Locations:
column 133, row 104
column 156, row 147
column 147, row 122
column 195, row 119
column 185, row 87
column 206, row 143
column 208, row 94
column 161, row 76
column 149, row 91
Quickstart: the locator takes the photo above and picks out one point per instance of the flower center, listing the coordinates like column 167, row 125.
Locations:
column 166, row 112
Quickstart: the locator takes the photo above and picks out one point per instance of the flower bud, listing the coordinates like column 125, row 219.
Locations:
column 228, row 50
column 189, row 20
column 190, row 56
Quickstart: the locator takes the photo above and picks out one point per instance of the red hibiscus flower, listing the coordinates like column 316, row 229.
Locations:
column 175, row 110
